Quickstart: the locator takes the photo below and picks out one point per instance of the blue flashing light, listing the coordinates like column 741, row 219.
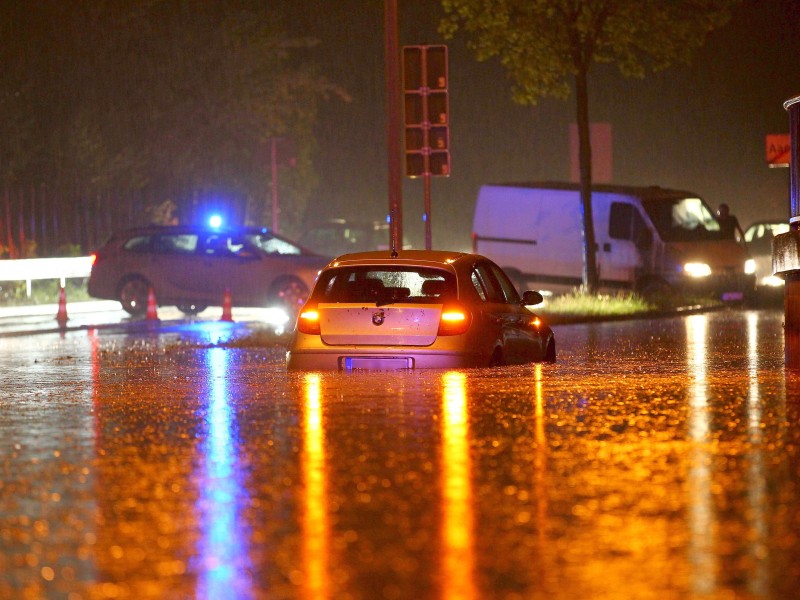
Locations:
column 215, row 221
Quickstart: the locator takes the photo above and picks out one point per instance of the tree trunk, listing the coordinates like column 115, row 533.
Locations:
column 590, row 276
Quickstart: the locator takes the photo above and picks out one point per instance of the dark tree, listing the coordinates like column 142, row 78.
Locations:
column 547, row 47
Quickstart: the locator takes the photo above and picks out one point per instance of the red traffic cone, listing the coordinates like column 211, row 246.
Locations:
column 226, row 306
column 152, row 309
column 61, row 316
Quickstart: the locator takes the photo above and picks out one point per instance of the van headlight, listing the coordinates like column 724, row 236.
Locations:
column 749, row 266
column 772, row 281
column 697, row 269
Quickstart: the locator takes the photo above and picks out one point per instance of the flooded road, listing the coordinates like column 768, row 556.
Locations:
column 653, row 460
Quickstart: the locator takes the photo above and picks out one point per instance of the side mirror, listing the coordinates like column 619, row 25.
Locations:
column 531, row 298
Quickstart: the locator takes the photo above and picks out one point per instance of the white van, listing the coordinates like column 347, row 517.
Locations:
column 649, row 239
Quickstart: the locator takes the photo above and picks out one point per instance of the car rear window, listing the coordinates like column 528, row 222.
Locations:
column 396, row 284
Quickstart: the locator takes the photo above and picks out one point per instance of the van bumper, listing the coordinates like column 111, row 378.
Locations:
column 728, row 287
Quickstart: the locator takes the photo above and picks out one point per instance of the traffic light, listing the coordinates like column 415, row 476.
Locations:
column 426, row 111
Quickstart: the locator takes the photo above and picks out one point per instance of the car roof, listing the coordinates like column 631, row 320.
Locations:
column 148, row 229
column 438, row 258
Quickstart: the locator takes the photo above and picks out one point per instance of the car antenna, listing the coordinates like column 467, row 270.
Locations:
column 393, row 233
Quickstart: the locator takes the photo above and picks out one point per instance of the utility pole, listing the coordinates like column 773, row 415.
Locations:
column 273, row 162
column 393, row 126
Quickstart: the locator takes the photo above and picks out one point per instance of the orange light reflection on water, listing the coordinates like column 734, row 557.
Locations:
column 757, row 485
column 458, row 562
column 701, row 504
column 315, row 517
column 540, row 459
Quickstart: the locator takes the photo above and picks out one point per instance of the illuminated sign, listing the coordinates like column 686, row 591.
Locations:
column 778, row 150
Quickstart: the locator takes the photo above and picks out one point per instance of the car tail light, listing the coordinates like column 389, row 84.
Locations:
column 308, row 320
column 93, row 259
column 454, row 320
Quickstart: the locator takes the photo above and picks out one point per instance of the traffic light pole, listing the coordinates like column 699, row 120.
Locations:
column 391, row 54
column 427, row 187
column 426, row 120
column 273, row 161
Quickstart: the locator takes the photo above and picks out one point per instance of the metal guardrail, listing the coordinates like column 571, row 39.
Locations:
column 28, row 269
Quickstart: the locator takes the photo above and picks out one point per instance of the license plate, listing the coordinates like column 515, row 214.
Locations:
column 376, row 363
column 733, row 296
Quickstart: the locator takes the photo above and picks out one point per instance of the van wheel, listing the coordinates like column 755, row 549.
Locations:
column 654, row 288
column 497, row 359
column 288, row 293
column 133, row 295
column 550, row 352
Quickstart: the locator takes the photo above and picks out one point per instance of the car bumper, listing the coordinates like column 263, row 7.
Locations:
column 355, row 358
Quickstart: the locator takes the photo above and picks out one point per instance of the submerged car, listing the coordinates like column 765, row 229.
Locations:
column 194, row 267
column 758, row 237
column 417, row 309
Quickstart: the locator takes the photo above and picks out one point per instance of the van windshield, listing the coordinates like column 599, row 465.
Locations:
column 682, row 219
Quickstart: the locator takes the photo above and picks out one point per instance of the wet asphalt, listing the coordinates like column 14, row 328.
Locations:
column 656, row 459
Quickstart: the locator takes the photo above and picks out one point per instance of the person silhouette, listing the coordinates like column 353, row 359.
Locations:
column 728, row 223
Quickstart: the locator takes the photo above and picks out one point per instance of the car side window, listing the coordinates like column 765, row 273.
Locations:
column 226, row 245
column 185, row 243
column 492, row 290
column 620, row 221
column 140, row 243
column 476, row 281
column 626, row 223
column 274, row 245
column 216, row 245
column 509, row 291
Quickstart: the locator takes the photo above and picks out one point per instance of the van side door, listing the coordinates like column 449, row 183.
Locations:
column 629, row 247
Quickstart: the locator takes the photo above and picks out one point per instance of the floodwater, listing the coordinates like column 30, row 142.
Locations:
column 654, row 460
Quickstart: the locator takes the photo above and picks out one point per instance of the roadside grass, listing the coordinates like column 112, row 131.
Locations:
column 579, row 304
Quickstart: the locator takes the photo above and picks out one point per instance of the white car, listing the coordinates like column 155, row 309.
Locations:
column 759, row 242
column 417, row 309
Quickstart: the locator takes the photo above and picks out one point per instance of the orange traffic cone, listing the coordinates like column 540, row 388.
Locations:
column 61, row 316
column 226, row 306
column 152, row 309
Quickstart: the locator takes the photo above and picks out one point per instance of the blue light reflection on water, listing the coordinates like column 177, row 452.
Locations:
column 223, row 563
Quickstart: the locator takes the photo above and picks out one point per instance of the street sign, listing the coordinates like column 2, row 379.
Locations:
column 778, row 149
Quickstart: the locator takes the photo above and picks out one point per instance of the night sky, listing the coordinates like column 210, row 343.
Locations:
column 699, row 127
